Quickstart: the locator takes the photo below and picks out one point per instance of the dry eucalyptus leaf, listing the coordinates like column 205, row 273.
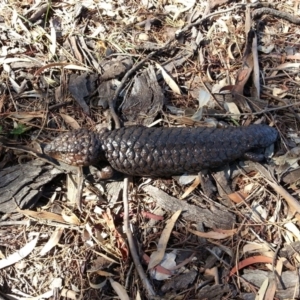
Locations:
column 169, row 80
column 119, row 289
column 53, row 241
column 70, row 121
column 70, row 218
column 20, row 254
column 157, row 256
column 222, row 234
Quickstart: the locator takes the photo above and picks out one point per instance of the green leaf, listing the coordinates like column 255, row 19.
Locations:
column 20, row 129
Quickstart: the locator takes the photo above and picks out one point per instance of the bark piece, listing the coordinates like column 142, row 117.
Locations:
column 214, row 292
column 114, row 192
column 21, row 185
column 81, row 86
column 178, row 60
column 115, row 68
column 285, row 286
column 106, row 91
column 215, row 217
column 292, row 177
column 146, row 99
column 179, row 282
column 289, row 250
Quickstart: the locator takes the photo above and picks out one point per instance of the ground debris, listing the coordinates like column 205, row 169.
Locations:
column 112, row 63
column 21, row 186
column 214, row 217
column 285, row 284
column 179, row 282
column 217, row 291
column 81, row 87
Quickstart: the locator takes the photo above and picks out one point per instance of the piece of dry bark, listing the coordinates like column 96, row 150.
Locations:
column 178, row 60
column 148, row 46
column 215, row 3
column 106, row 91
column 145, row 100
column 215, row 217
column 21, row 185
column 80, row 87
column 289, row 250
column 222, row 179
column 39, row 11
column 285, row 286
column 207, row 185
column 216, row 291
column 114, row 192
column 179, row 282
column 292, row 176
column 25, row 65
column 115, row 68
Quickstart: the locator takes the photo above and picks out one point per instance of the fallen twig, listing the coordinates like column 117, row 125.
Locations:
column 131, row 243
column 280, row 14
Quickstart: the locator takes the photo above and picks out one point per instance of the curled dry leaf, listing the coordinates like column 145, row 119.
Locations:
column 250, row 261
column 97, row 286
column 70, row 218
column 231, row 49
column 149, row 215
column 203, row 98
column 119, row 289
column 104, row 273
column 185, row 179
column 53, row 241
column 27, row 115
column 69, row 293
column 293, row 229
column 281, row 93
column 120, row 242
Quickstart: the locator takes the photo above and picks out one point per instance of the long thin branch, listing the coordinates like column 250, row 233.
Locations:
column 131, row 243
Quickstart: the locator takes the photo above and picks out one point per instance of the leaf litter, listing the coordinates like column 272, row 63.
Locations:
column 173, row 63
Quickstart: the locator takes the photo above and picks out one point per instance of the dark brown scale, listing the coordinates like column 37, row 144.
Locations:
column 138, row 150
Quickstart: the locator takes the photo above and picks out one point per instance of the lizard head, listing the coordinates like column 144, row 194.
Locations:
column 78, row 148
